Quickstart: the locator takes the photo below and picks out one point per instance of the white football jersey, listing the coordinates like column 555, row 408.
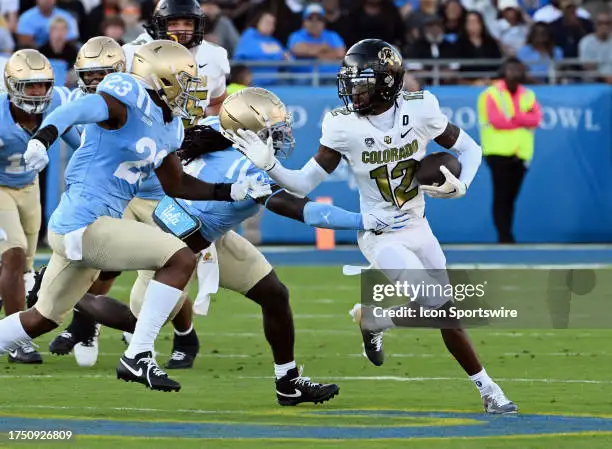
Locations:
column 384, row 162
column 213, row 66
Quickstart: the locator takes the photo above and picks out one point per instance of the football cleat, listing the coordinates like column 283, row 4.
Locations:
column 32, row 296
column 25, row 354
column 372, row 339
column 143, row 369
column 86, row 352
column 496, row 403
column 293, row 389
column 180, row 360
column 63, row 343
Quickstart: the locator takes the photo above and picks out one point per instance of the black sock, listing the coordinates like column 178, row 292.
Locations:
column 186, row 341
column 82, row 327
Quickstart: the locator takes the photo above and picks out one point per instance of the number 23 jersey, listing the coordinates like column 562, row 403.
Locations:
column 105, row 173
column 384, row 162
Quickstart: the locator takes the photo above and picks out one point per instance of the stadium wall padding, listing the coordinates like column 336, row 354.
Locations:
column 565, row 195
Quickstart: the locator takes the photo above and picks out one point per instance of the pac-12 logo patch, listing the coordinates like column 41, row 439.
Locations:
column 369, row 141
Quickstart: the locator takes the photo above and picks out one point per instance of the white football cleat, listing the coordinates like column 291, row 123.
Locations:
column 86, row 353
column 496, row 402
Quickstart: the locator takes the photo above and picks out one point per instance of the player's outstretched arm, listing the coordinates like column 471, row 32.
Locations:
column 178, row 184
column 327, row 216
column 95, row 108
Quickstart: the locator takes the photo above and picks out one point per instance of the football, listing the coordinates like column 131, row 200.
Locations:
column 429, row 172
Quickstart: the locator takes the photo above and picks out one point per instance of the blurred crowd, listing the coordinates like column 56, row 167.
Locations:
column 538, row 32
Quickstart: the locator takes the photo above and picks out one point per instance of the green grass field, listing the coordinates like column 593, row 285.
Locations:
column 231, row 388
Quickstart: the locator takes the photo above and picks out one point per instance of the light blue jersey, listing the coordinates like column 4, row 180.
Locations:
column 227, row 166
column 75, row 94
column 14, row 141
column 109, row 167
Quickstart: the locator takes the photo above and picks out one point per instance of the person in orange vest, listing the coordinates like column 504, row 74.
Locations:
column 508, row 115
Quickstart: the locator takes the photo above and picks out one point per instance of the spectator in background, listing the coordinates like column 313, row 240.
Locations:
column 569, row 29
column 552, row 12
column 511, row 28
column 219, row 29
column 314, row 42
column 9, row 9
column 508, row 114
column 288, row 14
column 58, row 46
column 237, row 11
column 240, row 77
column 540, row 51
column 595, row 50
column 7, row 44
column 33, row 25
column 415, row 21
column 453, row 17
column 433, row 46
column 486, row 8
column 405, row 7
column 475, row 42
column 77, row 10
column 375, row 19
column 130, row 14
column 258, row 44
column 106, row 9
column 114, row 28
column 335, row 17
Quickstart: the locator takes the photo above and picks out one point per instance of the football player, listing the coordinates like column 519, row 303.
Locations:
column 243, row 268
column 98, row 57
column 382, row 132
column 133, row 126
column 30, row 97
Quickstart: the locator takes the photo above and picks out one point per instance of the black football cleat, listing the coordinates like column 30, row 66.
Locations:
column 185, row 348
column 143, row 369
column 26, row 355
column 63, row 343
column 293, row 389
column 32, row 296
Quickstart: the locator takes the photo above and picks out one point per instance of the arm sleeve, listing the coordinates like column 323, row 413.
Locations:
column 496, row 117
column 331, row 217
column 88, row 109
column 299, row 182
column 470, row 156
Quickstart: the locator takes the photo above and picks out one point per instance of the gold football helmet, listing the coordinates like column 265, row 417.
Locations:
column 98, row 57
column 170, row 69
column 262, row 112
column 23, row 70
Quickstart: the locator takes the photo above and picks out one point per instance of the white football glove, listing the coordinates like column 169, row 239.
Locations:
column 452, row 187
column 379, row 221
column 248, row 143
column 36, row 157
column 253, row 186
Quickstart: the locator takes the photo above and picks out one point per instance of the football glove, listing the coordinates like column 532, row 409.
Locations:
column 452, row 187
column 254, row 186
column 36, row 157
column 250, row 144
column 380, row 220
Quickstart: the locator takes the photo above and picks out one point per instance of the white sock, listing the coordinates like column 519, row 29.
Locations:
column 482, row 381
column 159, row 300
column 281, row 370
column 12, row 334
column 187, row 332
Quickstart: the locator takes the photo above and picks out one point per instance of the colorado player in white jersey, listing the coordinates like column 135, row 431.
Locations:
column 382, row 132
column 30, row 97
column 183, row 21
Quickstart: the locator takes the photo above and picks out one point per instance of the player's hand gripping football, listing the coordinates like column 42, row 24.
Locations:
column 253, row 186
column 382, row 220
column 36, row 157
column 250, row 144
column 452, row 187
